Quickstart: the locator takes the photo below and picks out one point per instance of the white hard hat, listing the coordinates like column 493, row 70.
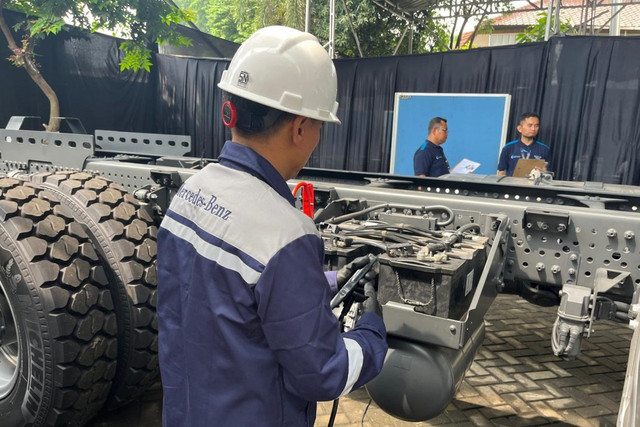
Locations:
column 285, row 69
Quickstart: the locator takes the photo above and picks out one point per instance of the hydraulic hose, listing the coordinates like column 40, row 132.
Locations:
column 449, row 220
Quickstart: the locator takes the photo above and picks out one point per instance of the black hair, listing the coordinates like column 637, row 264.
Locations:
column 254, row 118
column 436, row 121
column 525, row 116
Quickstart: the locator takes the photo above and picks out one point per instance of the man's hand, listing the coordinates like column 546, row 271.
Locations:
column 371, row 304
column 345, row 273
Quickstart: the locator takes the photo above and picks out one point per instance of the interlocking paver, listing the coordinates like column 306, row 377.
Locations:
column 552, row 366
column 508, row 388
column 565, row 403
column 592, row 411
column 543, row 408
column 508, row 358
column 541, row 375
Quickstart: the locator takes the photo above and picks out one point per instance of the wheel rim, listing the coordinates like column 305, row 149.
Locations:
column 9, row 346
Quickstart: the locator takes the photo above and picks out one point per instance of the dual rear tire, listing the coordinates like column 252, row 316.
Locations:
column 78, row 330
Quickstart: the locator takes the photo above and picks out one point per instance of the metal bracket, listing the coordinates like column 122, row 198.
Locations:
column 606, row 279
column 168, row 179
column 66, row 150
column 143, row 144
column 546, row 221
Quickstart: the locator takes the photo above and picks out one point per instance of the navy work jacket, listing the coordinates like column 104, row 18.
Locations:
column 516, row 150
column 429, row 160
column 246, row 335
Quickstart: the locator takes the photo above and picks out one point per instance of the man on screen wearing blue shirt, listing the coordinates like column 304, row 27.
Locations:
column 429, row 159
column 524, row 148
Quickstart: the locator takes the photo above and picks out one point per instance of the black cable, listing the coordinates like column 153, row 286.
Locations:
column 334, row 411
column 449, row 220
column 402, row 227
column 365, row 412
column 346, row 306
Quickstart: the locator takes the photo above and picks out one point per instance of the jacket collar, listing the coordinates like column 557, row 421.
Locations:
column 243, row 158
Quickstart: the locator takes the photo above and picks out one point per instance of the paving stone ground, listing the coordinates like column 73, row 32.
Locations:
column 515, row 380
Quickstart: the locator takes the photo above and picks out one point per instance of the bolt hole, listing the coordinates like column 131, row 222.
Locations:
column 616, row 256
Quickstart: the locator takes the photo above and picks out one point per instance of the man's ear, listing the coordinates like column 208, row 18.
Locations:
column 299, row 125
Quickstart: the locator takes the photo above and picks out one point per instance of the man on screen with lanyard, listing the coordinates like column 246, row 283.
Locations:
column 527, row 147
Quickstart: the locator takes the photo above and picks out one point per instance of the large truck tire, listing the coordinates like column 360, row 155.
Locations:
column 58, row 328
column 124, row 234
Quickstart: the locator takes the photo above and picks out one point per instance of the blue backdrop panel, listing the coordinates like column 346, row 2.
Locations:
column 477, row 128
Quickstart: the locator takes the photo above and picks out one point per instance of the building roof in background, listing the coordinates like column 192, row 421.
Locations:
column 573, row 10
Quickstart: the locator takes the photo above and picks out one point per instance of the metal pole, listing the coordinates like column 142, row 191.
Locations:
column 307, row 16
column 332, row 25
column 556, row 22
column 410, row 37
column 614, row 28
column 549, row 15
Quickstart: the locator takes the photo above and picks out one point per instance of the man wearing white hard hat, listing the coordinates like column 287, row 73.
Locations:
column 246, row 333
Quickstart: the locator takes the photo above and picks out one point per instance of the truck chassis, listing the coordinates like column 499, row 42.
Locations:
column 78, row 222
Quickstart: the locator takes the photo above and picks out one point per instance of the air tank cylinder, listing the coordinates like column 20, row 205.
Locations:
column 419, row 380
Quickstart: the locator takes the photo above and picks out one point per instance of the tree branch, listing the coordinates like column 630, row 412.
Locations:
column 24, row 59
column 7, row 32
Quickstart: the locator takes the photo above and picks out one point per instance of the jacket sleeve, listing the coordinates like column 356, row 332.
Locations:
column 318, row 362
column 548, row 160
column 503, row 164
column 421, row 163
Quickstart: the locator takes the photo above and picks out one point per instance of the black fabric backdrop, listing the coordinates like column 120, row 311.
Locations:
column 586, row 90
column 84, row 71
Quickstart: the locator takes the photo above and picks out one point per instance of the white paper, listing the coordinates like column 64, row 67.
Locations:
column 465, row 166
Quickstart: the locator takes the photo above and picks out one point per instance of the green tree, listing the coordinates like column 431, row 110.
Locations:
column 367, row 29
column 142, row 22
column 536, row 32
column 378, row 31
column 236, row 20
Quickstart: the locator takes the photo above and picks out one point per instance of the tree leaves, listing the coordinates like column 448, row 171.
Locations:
column 378, row 30
column 141, row 21
column 536, row 32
